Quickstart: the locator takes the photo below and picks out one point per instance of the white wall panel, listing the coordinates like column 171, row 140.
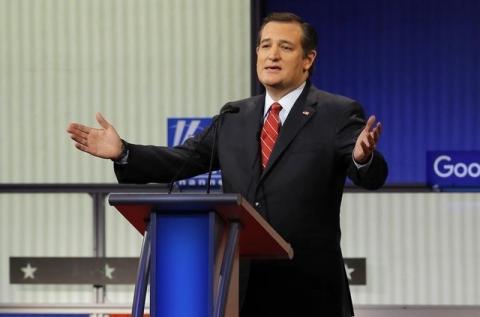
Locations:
column 421, row 249
column 44, row 225
column 125, row 241
column 136, row 61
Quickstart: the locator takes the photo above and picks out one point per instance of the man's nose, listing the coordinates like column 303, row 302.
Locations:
column 273, row 53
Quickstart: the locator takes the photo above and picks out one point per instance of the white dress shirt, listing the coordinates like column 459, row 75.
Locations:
column 287, row 103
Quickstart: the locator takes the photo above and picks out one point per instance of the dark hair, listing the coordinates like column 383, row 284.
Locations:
column 309, row 36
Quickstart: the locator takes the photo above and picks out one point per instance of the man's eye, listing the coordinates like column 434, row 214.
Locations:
column 287, row 48
column 264, row 46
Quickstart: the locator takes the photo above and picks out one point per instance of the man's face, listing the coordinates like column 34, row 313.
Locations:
column 281, row 64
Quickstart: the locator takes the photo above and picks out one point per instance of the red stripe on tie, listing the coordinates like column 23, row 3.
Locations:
column 270, row 130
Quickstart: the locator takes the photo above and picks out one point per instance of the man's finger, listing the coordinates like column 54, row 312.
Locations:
column 374, row 137
column 366, row 150
column 82, row 148
column 370, row 123
column 364, row 146
column 102, row 121
column 377, row 131
column 371, row 140
column 78, row 132
column 73, row 127
column 79, row 140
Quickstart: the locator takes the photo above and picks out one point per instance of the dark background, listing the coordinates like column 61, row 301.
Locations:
column 414, row 64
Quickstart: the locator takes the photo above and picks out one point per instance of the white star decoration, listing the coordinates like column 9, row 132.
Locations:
column 108, row 271
column 28, row 271
column 349, row 272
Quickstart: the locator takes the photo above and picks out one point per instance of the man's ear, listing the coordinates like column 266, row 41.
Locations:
column 309, row 59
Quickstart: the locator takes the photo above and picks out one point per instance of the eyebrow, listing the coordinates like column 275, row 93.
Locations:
column 280, row 41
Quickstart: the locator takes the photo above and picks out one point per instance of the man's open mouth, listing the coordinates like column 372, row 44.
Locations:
column 273, row 68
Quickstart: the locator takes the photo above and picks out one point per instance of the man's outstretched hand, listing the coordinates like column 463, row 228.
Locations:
column 367, row 141
column 104, row 142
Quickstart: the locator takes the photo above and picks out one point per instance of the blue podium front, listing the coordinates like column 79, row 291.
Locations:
column 182, row 261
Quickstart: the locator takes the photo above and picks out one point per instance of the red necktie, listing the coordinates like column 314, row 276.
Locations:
column 270, row 130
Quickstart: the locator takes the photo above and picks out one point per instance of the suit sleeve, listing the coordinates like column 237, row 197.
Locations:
column 350, row 123
column 159, row 164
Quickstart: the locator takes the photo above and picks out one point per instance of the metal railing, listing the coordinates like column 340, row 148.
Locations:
column 98, row 193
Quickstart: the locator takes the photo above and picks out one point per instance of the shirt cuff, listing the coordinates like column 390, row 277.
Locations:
column 363, row 166
column 123, row 159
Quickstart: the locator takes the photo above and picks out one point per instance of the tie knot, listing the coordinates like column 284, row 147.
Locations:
column 276, row 107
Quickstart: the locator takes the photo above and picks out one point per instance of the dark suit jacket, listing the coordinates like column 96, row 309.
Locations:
column 299, row 193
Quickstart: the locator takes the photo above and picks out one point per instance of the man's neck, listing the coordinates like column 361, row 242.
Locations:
column 277, row 93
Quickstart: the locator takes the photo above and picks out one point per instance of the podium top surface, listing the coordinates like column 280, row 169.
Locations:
column 257, row 238
column 187, row 202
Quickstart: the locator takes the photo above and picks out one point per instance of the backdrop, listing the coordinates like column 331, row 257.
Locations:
column 415, row 64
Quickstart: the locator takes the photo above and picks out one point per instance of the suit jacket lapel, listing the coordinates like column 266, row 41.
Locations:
column 302, row 111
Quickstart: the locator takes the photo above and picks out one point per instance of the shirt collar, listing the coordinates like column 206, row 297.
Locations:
column 286, row 101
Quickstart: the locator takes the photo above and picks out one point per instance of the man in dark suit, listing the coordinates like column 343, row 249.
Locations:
column 288, row 152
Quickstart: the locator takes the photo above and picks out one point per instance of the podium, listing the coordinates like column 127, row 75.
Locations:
column 191, row 249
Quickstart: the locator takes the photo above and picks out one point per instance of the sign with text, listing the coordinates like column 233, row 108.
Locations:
column 179, row 130
column 453, row 168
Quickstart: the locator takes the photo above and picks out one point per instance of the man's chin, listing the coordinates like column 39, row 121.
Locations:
column 272, row 83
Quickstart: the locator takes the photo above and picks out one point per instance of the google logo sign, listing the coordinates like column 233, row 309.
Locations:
column 444, row 167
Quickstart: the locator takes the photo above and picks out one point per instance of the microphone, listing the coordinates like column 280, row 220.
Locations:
column 228, row 109
column 213, row 125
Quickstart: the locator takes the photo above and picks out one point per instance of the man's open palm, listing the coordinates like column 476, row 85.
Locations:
column 104, row 142
column 367, row 141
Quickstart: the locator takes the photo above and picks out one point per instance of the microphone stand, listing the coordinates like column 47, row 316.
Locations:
column 210, row 167
column 227, row 109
